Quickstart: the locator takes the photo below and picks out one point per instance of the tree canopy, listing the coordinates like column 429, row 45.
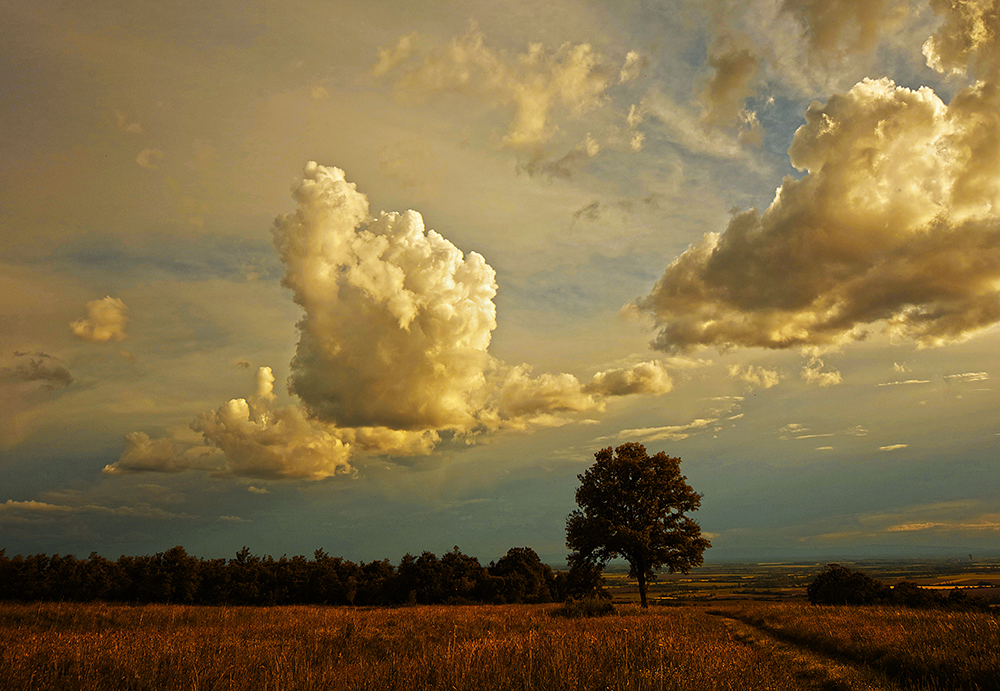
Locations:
column 634, row 506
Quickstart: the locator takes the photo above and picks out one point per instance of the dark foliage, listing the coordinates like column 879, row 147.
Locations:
column 524, row 578
column 175, row 577
column 584, row 607
column 635, row 506
column 838, row 585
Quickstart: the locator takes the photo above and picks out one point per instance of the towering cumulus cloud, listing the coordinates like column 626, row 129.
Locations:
column 897, row 221
column 397, row 321
column 392, row 353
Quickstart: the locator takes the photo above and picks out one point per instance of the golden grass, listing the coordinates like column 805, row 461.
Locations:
column 921, row 649
column 495, row 648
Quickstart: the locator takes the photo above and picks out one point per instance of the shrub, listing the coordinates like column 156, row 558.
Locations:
column 584, row 607
column 838, row 585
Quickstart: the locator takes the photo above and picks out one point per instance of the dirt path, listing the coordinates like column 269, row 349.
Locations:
column 815, row 670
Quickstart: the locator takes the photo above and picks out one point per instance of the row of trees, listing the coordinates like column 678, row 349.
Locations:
column 632, row 506
column 175, row 577
column 839, row 585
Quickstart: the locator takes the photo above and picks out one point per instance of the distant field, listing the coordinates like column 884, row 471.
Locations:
column 758, row 646
column 786, row 582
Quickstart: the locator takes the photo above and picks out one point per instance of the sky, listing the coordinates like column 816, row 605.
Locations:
column 382, row 277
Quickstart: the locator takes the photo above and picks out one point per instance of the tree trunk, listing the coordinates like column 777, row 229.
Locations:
column 642, row 590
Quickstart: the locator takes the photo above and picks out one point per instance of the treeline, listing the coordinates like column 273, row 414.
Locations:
column 175, row 577
column 839, row 585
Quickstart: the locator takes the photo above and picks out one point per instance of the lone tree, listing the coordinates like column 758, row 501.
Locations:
column 633, row 506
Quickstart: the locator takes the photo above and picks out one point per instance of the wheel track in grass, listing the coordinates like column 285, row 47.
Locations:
column 817, row 671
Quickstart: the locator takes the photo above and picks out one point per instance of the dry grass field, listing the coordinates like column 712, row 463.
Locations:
column 762, row 646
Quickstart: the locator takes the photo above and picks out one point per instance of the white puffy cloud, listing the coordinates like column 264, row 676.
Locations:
column 262, row 442
column 523, row 396
column 143, row 453
column 815, row 373
column 896, row 221
column 105, row 321
column 397, row 319
column 755, row 375
column 259, row 440
column 648, row 377
column 392, row 353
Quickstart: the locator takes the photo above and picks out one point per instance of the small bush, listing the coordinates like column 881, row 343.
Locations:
column 584, row 607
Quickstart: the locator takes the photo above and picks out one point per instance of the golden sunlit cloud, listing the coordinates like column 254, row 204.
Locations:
column 755, row 376
column 894, row 223
column 538, row 84
column 392, row 353
column 105, row 321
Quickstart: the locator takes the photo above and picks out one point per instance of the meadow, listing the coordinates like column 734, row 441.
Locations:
column 778, row 646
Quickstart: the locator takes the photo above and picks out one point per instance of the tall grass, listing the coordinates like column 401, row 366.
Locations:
column 113, row 647
column 921, row 649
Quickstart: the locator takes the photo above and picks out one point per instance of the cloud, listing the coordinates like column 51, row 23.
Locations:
column 796, row 431
column 13, row 511
column 105, row 321
column 730, row 86
column 388, row 58
column 524, row 396
column 270, row 443
column 258, row 490
column 27, row 383
column 969, row 38
column 894, row 222
column 668, row 432
column 968, row 377
column 36, row 369
column 143, row 453
column 259, row 440
column 648, row 377
column 906, row 383
column 397, row 319
column 893, row 447
column 126, row 124
column 635, row 63
column 713, row 420
column 537, row 84
column 835, row 28
column 685, row 128
column 538, row 165
column 392, row 353
column 814, row 373
column 150, row 158
column 755, row 376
